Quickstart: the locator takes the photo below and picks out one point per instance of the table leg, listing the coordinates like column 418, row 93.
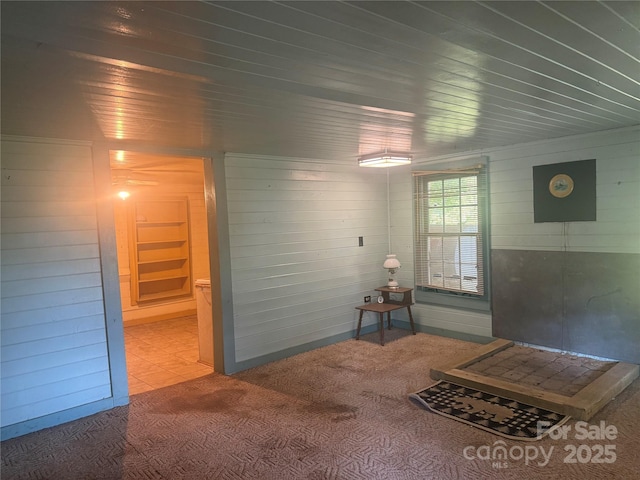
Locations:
column 359, row 325
column 381, row 328
column 389, row 319
column 413, row 327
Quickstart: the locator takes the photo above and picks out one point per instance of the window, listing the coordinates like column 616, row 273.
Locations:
column 451, row 234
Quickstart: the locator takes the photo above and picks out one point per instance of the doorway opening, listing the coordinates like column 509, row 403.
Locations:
column 164, row 267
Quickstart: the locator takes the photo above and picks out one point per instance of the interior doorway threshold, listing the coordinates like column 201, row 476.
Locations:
column 564, row 383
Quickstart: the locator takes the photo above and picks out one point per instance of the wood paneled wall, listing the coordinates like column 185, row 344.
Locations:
column 617, row 228
column 54, row 350
column 569, row 285
column 434, row 318
column 297, row 269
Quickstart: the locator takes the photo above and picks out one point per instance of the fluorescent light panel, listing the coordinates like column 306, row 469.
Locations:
column 382, row 160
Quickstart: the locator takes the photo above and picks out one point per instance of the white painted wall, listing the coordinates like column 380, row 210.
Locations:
column 54, row 348
column 617, row 229
column 297, row 269
column 430, row 316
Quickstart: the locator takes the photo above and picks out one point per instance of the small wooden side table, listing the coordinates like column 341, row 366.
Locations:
column 388, row 306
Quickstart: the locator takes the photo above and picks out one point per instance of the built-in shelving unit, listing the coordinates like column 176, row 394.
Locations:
column 160, row 249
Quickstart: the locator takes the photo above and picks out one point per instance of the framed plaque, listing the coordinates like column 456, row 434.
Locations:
column 565, row 192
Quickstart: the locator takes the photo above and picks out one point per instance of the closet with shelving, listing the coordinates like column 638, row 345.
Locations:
column 160, row 251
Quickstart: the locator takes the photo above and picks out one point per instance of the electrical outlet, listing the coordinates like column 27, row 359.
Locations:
column 367, row 299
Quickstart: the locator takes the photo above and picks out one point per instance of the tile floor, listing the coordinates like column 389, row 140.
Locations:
column 163, row 353
column 556, row 372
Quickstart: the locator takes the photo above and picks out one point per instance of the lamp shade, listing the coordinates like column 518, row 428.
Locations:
column 391, row 262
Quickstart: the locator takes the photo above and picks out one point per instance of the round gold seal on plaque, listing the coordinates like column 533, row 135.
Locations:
column 561, row 185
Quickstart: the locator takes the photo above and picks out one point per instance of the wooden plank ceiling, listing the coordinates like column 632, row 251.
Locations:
column 319, row 79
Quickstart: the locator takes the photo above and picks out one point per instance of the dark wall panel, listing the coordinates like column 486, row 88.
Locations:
column 581, row 302
column 527, row 296
column 602, row 305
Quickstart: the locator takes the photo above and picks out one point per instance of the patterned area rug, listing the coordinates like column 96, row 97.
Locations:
column 489, row 412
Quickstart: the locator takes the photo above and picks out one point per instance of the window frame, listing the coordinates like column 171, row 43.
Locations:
column 444, row 297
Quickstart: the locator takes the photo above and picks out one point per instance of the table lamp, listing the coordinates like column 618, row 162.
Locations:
column 392, row 264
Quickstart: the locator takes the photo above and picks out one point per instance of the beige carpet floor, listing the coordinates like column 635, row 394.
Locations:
column 338, row 412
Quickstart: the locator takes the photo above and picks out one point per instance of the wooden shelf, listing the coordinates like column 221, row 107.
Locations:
column 161, row 242
column 163, row 295
column 163, row 279
column 161, row 252
column 159, row 224
column 164, row 260
column 387, row 293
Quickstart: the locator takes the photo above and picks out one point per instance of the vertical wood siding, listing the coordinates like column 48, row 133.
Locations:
column 297, row 269
column 54, row 351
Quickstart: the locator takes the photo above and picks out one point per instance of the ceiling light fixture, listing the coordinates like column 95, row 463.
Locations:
column 385, row 159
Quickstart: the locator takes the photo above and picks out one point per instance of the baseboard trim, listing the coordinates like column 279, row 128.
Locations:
column 32, row 425
column 442, row 332
column 289, row 352
column 58, row 418
column 159, row 317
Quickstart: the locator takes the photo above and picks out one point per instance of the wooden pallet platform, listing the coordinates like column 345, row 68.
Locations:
column 582, row 405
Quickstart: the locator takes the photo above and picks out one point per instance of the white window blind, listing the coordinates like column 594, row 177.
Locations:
column 449, row 210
